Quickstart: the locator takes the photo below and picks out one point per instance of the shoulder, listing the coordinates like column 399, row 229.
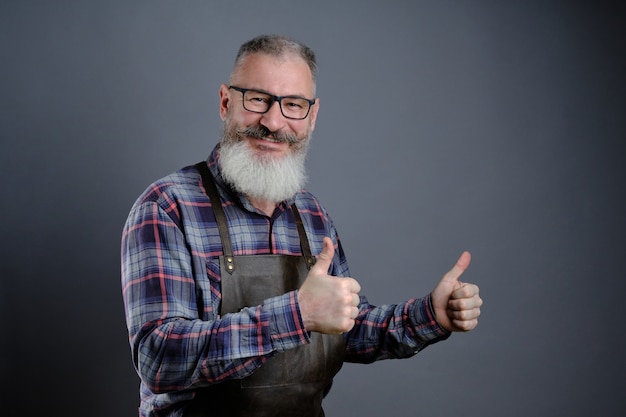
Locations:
column 308, row 203
column 174, row 197
column 314, row 214
column 181, row 185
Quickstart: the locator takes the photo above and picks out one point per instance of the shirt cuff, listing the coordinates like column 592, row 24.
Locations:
column 426, row 325
column 285, row 322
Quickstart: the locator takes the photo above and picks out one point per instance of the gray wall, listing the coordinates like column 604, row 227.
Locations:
column 496, row 127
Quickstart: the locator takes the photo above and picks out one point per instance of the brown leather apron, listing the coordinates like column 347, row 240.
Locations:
column 293, row 382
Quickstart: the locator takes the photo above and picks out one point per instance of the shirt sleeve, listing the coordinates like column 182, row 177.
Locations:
column 173, row 349
column 393, row 331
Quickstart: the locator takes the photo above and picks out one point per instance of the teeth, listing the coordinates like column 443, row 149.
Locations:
column 271, row 140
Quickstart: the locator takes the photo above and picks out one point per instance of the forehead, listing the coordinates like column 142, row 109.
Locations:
column 281, row 75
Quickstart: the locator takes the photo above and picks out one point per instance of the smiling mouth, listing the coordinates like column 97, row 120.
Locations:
column 272, row 140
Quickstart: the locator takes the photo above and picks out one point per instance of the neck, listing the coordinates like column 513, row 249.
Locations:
column 265, row 206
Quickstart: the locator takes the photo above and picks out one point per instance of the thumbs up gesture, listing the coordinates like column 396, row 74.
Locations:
column 328, row 304
column 457, row 304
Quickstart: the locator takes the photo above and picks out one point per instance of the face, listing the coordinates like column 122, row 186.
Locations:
column 281, row 76
column 262, row 155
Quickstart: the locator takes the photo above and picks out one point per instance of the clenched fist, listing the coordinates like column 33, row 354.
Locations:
column 328, row 304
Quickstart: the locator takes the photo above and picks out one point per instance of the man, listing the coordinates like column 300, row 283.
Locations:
column 237, row 292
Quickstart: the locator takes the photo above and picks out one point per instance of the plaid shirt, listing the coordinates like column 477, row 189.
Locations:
column 171, row 289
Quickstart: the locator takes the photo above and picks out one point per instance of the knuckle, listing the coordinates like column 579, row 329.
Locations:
column 347, row 311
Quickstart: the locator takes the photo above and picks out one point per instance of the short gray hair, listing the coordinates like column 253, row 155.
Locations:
column 277, row 45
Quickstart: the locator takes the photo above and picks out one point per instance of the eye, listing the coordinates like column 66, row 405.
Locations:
column 294, row 103
column 258, row 98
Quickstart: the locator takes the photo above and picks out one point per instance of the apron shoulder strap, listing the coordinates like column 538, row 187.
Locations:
column 218, row 211
column 304, row 241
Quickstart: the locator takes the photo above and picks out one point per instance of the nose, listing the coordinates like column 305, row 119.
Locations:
column 273, row 119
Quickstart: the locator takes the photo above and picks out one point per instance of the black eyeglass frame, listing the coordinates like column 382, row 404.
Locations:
column 273, row 99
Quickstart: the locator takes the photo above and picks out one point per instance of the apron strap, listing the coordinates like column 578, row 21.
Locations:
column 304, row 241
column 218, row 211
column 222, row 223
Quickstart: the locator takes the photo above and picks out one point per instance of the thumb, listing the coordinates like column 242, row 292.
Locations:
column 325, row 258
column 457, row 270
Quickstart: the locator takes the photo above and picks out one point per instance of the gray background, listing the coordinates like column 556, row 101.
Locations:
column 492, row 126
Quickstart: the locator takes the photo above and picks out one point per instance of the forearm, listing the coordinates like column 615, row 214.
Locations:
column 393, row 331
column 182, row 353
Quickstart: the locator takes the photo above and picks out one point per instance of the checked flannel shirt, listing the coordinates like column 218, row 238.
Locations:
column 171, row 291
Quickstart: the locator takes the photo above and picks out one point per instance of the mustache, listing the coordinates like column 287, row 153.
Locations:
column 262, row 132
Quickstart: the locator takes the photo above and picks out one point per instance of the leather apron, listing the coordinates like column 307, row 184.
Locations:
column 292, row 382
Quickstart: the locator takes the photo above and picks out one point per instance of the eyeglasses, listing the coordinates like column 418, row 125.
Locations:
column 292, row 107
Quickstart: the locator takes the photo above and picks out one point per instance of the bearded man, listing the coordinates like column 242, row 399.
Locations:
column 237, row 292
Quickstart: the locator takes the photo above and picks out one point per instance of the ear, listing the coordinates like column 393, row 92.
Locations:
column 314, row 109
column 224, row 100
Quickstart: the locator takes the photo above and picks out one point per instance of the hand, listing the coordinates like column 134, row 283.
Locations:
column 457, row 304
column 328, row 304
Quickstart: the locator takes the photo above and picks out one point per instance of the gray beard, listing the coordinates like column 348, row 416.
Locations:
column 264, row 178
